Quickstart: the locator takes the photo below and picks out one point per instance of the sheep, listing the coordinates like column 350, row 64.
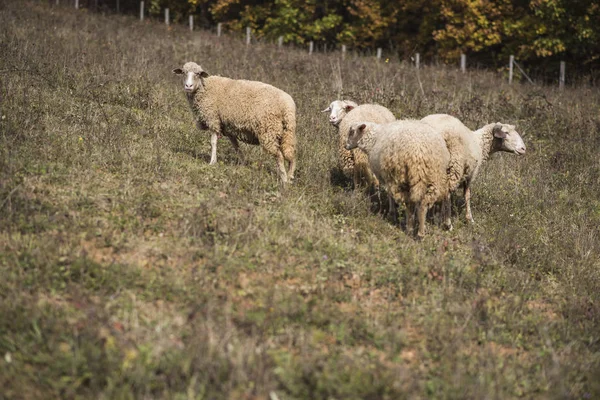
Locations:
column 469, row 150
column 249, row 111
column 410, row 159
column 338, row 110
column 343, row 114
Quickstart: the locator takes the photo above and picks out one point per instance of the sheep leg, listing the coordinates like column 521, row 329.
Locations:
column 394, row 199
column 468, row 203
column 421, row 214
column 271, row 145
column 289, row 154
column 355, row 178
column 236, row 147
column 410, row 218
column 379, row 195
column 292, row 168
column 393, row 210
column 281, row 167
column 447, row 212
column 213, row 148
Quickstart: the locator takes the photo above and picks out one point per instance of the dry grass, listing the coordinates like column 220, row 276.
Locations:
column 132, row 269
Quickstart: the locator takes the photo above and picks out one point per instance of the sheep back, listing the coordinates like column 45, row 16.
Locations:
column 465, row 153
column 245, row 110
column 411, row 158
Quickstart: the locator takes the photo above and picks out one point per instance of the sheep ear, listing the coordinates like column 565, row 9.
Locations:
column 178, row 71
column 499, row 132
column 348, row 107
column 204, row 74
column 362, row 127
column 328, row 109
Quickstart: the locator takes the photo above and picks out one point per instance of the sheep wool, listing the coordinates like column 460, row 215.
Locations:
column 470, row 150
column 410, row 159
column 355, row 163
column 248, row 111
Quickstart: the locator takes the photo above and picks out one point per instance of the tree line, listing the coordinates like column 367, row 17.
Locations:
column 539, row 32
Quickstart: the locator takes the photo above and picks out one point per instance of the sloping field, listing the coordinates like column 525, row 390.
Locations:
column 130, row 268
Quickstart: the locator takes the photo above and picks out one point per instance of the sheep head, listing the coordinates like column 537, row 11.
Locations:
column 193, row 74
column 338, row 110
column 357, row 131
column 508, row 139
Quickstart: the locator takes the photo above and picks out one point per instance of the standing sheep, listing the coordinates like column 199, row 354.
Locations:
column 410, row 159
column 248, row 111
column 344, row 113
column 338, row 109
column 469, row 150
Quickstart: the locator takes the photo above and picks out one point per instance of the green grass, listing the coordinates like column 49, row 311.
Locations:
column 133, row 269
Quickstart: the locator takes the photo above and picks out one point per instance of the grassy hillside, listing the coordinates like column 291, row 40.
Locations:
column 130, row 268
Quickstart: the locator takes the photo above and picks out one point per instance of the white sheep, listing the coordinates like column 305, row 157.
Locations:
column 338, row 109
column 469, row 150
column 248, row 111
column 410, row 159
column 344, row 113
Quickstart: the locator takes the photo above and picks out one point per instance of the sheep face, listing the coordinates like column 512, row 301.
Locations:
column 508, row 139
column 192, row 76
column 337, row 111
column 357, row 131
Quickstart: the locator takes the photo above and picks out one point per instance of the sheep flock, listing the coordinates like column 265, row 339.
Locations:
column 417, row 163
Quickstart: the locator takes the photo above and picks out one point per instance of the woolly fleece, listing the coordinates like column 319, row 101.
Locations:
column 249, row 111
column 355, row 163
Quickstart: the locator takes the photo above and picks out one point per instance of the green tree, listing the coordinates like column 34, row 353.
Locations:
column 536, row 31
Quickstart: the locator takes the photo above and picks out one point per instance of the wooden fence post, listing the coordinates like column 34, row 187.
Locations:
column 280, row 41
column 379, row 53
column 523, row 72
column 310, row 47
column 191, row 22
column 141, row 10
column 561, row 78
column 118, row 6
column 511, row 62
column 219, row 29
column 343, row 51
column 166, row 16
column 76, row 4
column 463, row 62
column 248, row 35
column 417, row 60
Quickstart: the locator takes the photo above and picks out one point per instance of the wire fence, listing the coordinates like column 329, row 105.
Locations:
column 311, row 47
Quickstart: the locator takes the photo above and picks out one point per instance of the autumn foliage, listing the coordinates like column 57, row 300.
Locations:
column 536, row 31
